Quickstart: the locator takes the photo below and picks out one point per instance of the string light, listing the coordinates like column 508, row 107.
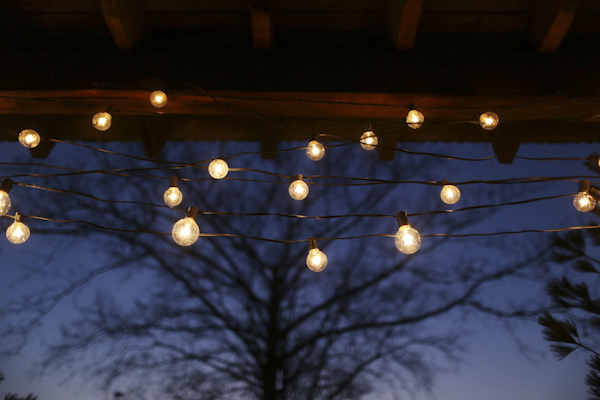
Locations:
column 298, row 189
column 488, row 120
column 102, row 121
column 18, row 232
column 408, row 239
column 29, row 138
column 316, row 260
column 368, row 140
column 5, row 203
column 218, row 168
column 173, row 195
column 415, row 118
column 158, row 98
column 584, row 202
column 450, row 194
column 315, row 150
column 185, row 232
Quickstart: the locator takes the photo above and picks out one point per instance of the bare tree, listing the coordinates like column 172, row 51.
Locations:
column 235, row 316
column 576, row 300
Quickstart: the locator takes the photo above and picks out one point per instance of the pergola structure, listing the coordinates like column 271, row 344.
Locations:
column 246, row 70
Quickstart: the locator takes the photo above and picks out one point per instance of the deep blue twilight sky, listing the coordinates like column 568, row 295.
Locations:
column 493, row 367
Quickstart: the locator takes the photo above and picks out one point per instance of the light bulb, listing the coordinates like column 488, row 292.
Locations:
column 158, row 98
column 315, row 150
column 173, row 196
column 450, row 194
column 316, row 260
column 102, row 121
column 218, row 168
column 488, row 120
column 18, row 232
column 185, row 231
column 408, row 240
column 29, row 138
column 368, row 140
column 4, row 202
column 415, row 119
column 298, row 189
column 584, row 202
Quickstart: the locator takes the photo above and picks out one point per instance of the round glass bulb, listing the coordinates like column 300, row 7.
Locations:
column 316, row 260
column 450, row 194
column 218, row 168
column 315, row 150
column 4, row 202
column 368, row 140
column 415, row 119
column 298, row 190
column 102, row 121
column 488, row 120
column 584, row 202
column 173, row 196
column 408, row 240
column 158, row 98
column 17, row 233
column 185, row 231
column 29, row 138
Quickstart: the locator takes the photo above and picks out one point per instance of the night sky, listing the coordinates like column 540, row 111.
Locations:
column 492, row 366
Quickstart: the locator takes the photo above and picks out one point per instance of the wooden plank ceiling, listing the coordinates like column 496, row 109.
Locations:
column 243, row 69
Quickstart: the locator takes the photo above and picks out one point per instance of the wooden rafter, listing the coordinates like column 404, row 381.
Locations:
column 403, row 21
column 261, row 24
column 550, row 22
column 125, row 20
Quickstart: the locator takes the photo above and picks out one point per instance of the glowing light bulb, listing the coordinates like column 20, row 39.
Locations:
column 4, row 202
column 315, row 150
column 488, row 120
column 368, row 140
column 298, row 189
column 316, row 260
column 450, row 194
column 29, row 138
column 415, row 119
column 584, row 202
column 18, row 232
column 173, row 196
column 408, row 240
column 102, row 121
column 158, row 98
column 218, row 168
column 185, row 232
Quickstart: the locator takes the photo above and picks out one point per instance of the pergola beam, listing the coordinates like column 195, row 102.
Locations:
column 550, row 22
column 403, row 21
column 261, row 25
column 125, row 20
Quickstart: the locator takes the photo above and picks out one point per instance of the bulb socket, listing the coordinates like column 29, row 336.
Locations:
column 19, row 217
column 7, row 185
column 192, row 213
column 443, row 182
column 402, row 218
column 312, row 243
column 411, row 107
column 298, row 177
column 173, row 181
column 584, row 186
column 595, row 193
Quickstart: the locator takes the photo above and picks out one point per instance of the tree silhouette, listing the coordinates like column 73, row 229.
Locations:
column 578, row 302
column 235, row 316
column 12, row 396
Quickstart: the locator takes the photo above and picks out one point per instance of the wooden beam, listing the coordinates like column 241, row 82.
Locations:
column 261, row 24
column 403, row 21
column 125, row 20
column 550, row 23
